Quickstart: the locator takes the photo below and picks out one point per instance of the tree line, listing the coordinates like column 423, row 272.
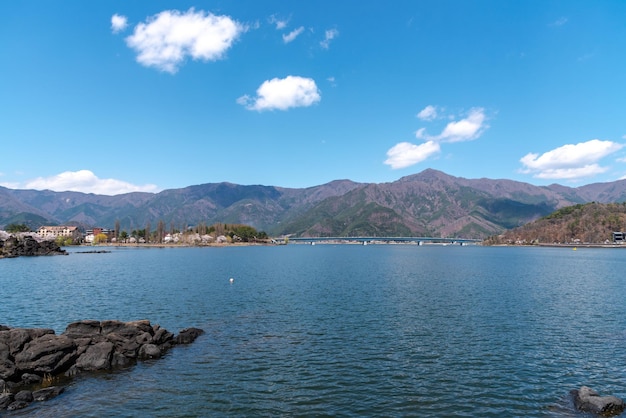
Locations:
column 230, row 232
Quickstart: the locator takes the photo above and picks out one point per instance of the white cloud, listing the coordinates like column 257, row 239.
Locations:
column 329, row 36
column 166, row 39
column 589, row 170
column 118, row 23
column 10, row 185
column 280, row 23
column 571, row 161
column 293, row 35
column 406, row 154
column 85, row 181
column 462, row 130
column 559, row 22
column 282, row 94
column 428, row 113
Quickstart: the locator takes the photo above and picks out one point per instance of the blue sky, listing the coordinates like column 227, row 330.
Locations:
column 116, row 96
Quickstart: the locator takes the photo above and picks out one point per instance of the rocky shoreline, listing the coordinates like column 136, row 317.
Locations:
column 26, row 245
column 33, row 361
column 589, row 401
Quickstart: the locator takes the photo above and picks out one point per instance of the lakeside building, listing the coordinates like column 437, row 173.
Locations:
column 91, row 234
column 52, row 232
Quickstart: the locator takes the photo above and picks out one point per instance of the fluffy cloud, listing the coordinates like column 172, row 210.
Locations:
column 87, row 182
column 465, row 129
column 329, row 36
column 571, row 161
column 428, row 113
column 406, row 154
column 118, row 23
column 293, row 35
column 166, row 39
column 282, row 94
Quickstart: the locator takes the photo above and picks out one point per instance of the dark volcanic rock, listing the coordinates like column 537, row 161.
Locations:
column 97, row 357
column 48, row 354
column 188, row 335
column 30, row 378
column 24, row 395
column 148, row 351
column 14, row 406
column 35, row 356
column 6, row 400
column 18, row 337
column 588, row 400
column 7, row 367
column 48, row 393
column 26, row 245
column 161, row 336
column 83, row 329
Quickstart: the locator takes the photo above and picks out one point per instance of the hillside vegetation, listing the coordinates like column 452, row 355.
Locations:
column 582, row 223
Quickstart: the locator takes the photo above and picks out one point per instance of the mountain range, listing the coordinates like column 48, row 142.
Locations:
column 430, row 203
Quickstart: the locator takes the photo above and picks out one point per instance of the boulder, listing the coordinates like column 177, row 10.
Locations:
column 96, row 357
column 83, row 329
column 144, row 338
column 7, row 367
column 24, row 396
column 6, row 399
column 128, row 330
column 124, row 346
column 119, row 360
column 15, row 405
column 26, row 245
column 148, row 351
column 588, row 400
column 162, row 336
column 32, row 356
column 48, row 393
column 49, row 354
column 30, row 378
column 188, row 335
column 17, row 338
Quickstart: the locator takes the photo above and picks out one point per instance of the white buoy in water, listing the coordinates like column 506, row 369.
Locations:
column 231, row 280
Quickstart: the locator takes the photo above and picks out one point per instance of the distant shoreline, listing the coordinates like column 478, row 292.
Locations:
column 164, row 245
column 269, row 244
column 573, row 246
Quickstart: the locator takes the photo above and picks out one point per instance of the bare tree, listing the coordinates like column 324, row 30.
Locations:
column 148, row 231
column 160, row 231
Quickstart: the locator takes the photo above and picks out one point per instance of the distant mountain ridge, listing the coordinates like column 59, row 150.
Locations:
column 430, row 203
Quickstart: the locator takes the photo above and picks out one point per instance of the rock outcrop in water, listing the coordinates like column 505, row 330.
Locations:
column 32, row 359
column 24, row 244
column 588, row 400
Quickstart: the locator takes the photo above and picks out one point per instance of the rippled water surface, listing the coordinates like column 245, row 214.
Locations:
column 339, row 330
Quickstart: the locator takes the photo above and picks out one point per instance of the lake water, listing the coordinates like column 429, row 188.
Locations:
column 339, row 330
